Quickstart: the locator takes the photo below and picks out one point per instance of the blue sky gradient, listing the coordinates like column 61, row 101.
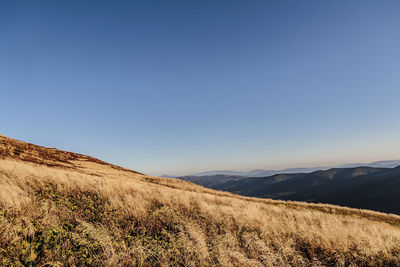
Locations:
column 186, row 86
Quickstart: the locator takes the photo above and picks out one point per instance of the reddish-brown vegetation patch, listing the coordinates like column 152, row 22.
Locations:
column 11, row 148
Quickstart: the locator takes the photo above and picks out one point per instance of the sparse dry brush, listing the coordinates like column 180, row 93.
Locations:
column 98, row 215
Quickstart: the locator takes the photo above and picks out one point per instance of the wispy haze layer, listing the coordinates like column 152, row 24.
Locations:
column 187, row 86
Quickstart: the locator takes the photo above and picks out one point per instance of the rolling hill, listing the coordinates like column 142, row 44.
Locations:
column 361, row 187
column 65, row 209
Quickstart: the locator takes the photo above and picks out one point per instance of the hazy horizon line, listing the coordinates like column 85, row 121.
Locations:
column 327, row 166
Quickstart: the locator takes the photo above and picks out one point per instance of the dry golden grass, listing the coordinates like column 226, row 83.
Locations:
column 98, row 215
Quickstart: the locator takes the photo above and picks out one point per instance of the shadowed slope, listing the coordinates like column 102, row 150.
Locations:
column 360, row 187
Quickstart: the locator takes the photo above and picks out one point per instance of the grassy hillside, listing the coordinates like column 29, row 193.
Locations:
column 82, row 211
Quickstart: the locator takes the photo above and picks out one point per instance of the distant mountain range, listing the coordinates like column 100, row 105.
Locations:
column 376, row 164
column 263, row 173
column 358, row 187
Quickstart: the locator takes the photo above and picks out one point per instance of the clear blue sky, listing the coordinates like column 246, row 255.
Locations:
column 185, row 86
